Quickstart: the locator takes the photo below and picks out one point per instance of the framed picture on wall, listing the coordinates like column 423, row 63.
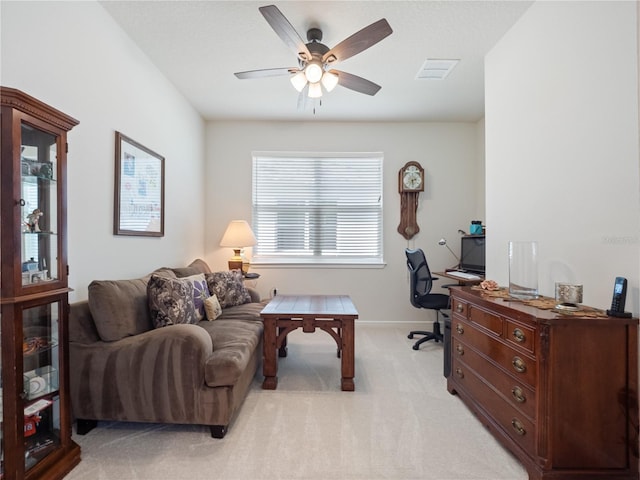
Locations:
column 139, row 190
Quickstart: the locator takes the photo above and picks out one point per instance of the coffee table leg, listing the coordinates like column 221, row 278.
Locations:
column 269, row 360
column 348, row 347
column 282, row 351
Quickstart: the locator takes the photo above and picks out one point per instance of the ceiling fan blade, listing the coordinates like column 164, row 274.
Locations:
column 267, row 72
column 285, row 31
column 358, row 84
column 358, row 42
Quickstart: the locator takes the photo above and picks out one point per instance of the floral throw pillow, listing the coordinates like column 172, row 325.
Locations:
column 200, row 294
column 228, row 287
column 170, row 301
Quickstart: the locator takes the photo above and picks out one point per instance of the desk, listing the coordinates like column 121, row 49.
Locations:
column 460, row 280
column 334, row 314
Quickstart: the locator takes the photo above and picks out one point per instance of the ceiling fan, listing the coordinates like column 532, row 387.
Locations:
column 315, row 60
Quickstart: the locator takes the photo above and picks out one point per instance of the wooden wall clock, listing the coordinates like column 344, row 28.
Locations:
column 410, row 184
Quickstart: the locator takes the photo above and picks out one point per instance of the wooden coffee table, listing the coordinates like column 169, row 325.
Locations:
column 335, row 314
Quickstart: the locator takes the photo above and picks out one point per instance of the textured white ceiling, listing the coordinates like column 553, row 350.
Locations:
column 199, row 45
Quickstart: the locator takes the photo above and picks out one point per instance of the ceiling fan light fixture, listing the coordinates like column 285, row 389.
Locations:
column 315, row 90
column 329, row 81
column 299, row 81
column 313, row 72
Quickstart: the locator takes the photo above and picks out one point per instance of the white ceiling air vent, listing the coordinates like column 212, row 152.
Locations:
column 436, row 69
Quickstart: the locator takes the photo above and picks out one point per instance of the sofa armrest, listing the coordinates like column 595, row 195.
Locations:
column 141, row 376
column 253, row 293
column 82, row 328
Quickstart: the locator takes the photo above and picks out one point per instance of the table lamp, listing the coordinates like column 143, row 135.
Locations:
column 237, row 236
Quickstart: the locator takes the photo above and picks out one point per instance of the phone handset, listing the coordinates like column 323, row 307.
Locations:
column 619, row 298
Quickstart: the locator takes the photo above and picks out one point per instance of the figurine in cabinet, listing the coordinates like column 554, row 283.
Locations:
column 32, row 220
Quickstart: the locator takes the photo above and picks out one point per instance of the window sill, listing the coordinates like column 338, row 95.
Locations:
column 315, row 264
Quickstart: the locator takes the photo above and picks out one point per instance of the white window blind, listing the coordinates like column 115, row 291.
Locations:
column 317, row 208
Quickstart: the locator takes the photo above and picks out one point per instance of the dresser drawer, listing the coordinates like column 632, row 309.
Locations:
column 521, row 336
column 485, row 319
column 459, row 307
column 520, row 429
column 520, row 395
column 521, row 366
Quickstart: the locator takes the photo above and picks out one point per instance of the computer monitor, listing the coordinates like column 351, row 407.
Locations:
column 472, row 254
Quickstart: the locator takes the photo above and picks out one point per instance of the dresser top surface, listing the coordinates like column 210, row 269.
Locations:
column 505, row 305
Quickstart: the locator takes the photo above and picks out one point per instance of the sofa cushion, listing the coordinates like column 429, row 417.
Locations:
column 194, row 268
column 212, row 307
column 246, row 311
column 119, row 307
column 234, row 342
column 170, row 301
column 228, row 287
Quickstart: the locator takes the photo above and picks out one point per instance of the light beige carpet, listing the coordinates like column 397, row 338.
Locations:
column 399, row 424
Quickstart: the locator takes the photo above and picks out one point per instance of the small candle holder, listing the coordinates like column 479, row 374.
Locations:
column 568, row 296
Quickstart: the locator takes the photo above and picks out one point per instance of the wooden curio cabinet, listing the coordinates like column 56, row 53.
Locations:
column 35, row 433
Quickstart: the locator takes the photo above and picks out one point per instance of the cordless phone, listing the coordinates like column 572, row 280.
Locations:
column 619, row 298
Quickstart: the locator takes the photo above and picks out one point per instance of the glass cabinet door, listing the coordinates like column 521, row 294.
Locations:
column 39, row 205
column 41, row 363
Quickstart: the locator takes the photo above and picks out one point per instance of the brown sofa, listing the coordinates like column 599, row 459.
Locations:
column 124, row 369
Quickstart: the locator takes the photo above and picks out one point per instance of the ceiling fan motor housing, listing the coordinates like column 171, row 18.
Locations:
column 314, row 34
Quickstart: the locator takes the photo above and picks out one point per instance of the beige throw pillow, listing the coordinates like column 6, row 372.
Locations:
column 212, row 307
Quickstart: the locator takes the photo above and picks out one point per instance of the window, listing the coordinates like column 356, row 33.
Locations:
column 317, row 208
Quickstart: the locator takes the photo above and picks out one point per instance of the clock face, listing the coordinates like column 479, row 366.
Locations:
column 412, row 179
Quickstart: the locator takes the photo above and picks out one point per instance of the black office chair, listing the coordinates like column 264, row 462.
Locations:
column 421, row 296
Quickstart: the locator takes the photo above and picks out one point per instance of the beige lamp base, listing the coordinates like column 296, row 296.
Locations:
column 235, row 265
column 235, row 262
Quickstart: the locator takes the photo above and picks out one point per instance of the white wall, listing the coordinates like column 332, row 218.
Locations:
column 73, row 56
column 562, row 146
column 447, row 152
column 480, row 177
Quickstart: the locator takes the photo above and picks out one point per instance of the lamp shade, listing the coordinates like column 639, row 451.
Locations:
column 299, row 81
column 329, row 81
column 238, row 235
column 315, row 90
column 313, row 72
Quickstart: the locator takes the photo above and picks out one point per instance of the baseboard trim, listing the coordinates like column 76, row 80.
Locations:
column 389, row 323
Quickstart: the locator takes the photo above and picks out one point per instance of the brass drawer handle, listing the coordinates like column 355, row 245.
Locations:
column 460, row 349
column 459, row 329
column 460, row 308
column 459, row 372
column 518, row 395
column 519, row 365
column 519, row 335
column 518, row 427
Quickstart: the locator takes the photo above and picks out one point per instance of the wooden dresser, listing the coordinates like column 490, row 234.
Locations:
column 559, row 391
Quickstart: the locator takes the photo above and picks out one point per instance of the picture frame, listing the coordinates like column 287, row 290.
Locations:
column 139, row 189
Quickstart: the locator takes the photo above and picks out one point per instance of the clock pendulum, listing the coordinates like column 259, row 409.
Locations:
column 410, row 184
